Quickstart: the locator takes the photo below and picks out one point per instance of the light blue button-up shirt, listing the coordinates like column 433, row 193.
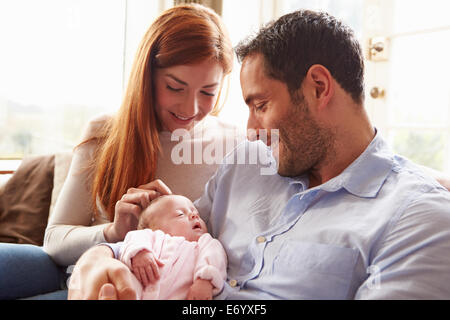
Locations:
column 379, row 230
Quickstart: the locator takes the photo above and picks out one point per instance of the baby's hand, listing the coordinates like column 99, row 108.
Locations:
column 145, row 267
column 200, row 290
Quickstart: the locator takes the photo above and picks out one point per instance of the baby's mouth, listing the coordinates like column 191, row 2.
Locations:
column 197, row 225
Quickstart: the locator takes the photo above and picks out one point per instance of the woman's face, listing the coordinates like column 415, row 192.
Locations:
column 186, row 93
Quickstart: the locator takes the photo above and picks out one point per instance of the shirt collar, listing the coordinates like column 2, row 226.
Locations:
column 367, row 174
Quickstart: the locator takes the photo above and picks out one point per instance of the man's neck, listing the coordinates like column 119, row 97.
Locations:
column 349, row 145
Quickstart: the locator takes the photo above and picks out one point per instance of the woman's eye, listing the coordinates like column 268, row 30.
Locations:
column 209, row 94
column 174, row 89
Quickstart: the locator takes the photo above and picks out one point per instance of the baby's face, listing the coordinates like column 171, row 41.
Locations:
column 177, row 216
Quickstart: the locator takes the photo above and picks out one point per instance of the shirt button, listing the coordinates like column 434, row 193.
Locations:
column 261, row 239
column 233, row 283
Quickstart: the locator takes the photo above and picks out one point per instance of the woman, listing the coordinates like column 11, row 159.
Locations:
column 175, row 82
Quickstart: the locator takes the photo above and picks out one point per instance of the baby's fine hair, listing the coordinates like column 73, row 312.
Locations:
column 145, row 220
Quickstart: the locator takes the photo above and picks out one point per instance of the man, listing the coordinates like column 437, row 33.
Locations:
column 344, row 218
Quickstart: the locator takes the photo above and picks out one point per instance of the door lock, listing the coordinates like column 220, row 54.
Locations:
column 378, row 49
column 377, row 92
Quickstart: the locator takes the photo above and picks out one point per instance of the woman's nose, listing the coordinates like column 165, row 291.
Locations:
column 191, row 107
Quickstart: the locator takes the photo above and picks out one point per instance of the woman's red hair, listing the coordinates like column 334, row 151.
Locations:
column 129, row 144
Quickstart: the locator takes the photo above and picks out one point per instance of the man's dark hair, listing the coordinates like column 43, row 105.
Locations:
column 298, row 40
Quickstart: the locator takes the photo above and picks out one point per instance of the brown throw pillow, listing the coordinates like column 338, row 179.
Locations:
column 25, row 202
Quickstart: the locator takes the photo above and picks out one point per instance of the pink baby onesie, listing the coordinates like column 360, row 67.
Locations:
column 184, row 261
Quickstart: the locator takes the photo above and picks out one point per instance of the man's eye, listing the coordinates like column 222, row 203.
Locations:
column 260, row 106
column 174, row 89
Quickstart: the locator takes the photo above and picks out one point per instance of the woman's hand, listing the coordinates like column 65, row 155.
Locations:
column 128, row 209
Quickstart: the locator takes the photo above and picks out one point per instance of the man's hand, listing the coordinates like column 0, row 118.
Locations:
column 145, row 267
column 445, row 181
column 97, row 275
column 442, row 178
column 200, row 290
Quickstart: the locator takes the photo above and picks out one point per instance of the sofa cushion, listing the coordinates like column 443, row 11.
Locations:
column 25, row 202
column 62, row 165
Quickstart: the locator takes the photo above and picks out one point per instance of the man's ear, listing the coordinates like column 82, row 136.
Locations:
column 320, row 85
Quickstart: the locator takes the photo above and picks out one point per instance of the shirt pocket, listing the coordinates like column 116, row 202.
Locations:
column 313, row 270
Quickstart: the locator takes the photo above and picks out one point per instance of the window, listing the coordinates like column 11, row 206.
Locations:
column 63, row 62
column 250, row 19
column 414, row 112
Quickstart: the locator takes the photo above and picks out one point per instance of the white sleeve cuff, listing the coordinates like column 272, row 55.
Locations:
column 211, row 273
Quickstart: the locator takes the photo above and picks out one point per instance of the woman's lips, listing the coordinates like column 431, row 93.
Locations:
column 180, row 119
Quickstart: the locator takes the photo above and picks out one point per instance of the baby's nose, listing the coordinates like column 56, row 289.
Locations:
column 194, row 215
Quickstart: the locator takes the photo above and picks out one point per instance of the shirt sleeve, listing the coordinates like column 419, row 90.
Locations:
column 217, row 191
column 211, row 263
column 138, row 240
column 115, row 247
column 69, row 232
column 204, row 203
column 413, row 259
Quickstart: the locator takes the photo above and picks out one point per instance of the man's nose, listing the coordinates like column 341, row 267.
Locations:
column 252, row 128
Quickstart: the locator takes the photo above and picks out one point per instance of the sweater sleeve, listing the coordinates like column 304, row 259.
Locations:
column 70, row 232
column 138, row 240
column 211, row 263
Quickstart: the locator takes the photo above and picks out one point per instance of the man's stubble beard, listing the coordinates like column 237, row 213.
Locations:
column 303, row 143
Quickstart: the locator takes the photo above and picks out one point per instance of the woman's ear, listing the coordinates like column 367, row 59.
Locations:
column 320, row 84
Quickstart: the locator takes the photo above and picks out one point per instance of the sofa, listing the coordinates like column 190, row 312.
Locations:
column 27, row 198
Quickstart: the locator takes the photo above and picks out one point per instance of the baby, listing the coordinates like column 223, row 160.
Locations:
column 172, row 255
